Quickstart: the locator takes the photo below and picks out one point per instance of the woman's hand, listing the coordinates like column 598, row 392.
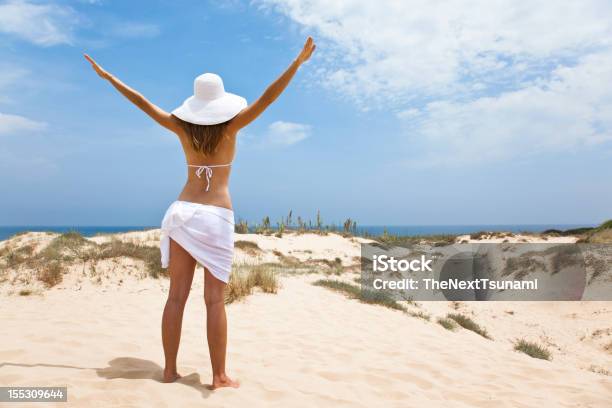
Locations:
column 309, row 47
column 99, row 70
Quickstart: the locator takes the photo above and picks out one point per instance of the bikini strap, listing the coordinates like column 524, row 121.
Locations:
column 208, row 169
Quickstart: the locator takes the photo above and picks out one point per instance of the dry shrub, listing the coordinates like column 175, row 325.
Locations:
column 247, row 245
column 51, row 273
column 247, row 277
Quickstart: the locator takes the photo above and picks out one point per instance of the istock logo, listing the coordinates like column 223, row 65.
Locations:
column 384, row 263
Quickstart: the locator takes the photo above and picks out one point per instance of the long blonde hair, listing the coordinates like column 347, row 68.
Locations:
column 204, row 138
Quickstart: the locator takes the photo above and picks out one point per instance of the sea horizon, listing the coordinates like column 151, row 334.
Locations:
column 374, row 230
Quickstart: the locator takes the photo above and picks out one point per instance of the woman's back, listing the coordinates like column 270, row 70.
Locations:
column 208, row 175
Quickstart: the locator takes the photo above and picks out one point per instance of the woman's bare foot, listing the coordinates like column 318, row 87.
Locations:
column 170, row 377
column 224, row 381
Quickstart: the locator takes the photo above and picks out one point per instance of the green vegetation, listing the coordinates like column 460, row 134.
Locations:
column 50, row 263
column 601, row 234
column 419, row 315
column 447, row 323
column 280, row 229
column 335, row 266
column 299, row 225
column 364, row 295
column 435, row 240
column 532, row 350
column 149, row 255
column 245, row 278
column 605, row 226
column 67, row 246
column 467, row 323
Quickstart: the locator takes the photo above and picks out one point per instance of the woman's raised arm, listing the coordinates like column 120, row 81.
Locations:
column 155, row 112
column 251, row 112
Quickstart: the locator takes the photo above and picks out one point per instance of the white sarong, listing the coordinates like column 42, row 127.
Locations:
column 205, row 231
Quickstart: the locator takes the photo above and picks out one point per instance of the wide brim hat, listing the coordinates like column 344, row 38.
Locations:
column 210, row 104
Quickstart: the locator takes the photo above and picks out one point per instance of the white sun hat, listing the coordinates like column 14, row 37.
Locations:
column 210, row 104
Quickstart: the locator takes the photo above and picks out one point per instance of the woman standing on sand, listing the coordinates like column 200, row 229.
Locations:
column 199, row 226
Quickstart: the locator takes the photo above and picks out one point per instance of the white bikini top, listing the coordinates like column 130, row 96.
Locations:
column 208, row 169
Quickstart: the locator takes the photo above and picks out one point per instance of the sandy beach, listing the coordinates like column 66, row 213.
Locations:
column 99, row 335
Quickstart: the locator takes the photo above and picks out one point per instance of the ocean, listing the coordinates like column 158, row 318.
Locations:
column 404, row 230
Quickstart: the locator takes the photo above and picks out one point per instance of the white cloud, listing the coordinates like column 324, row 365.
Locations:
column 136, row 30
column 41, row 24
column 286, row 133
column 11, row 124
column 472, row 80
column 392, row 51
column 571, row 110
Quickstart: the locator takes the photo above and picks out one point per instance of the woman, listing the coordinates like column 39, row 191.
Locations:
column 199, row 226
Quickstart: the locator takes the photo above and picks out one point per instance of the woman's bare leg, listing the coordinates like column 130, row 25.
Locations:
column 181, row 268
column 216, row 329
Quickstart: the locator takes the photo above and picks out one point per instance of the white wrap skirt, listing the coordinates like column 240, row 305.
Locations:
column 205, row 231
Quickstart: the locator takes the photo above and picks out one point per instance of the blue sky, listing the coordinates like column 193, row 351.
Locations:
column 406, row 114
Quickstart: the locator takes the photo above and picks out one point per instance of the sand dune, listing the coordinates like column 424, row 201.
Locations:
column 305, row 346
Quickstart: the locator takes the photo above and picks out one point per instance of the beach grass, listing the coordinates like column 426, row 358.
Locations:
column 467, row 323
column 51, row 273
column 335, row 266
column 70, row 247
column 433, row 239
column 245, row 278
column 116, row 248
column 448, row 324
column 67, row 246
column 532, row 349
column 363, row 295
column 419, row 315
